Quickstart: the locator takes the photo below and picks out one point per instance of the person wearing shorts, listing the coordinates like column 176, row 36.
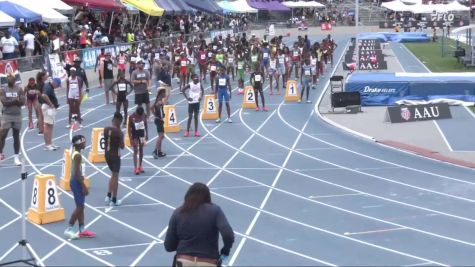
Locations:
column 12, row 99
column 141, row 82
column 223, row 86
column 74, row 94
column 138, row 135
column 213, row 70
column 121, row 89
column 114, row 141
column 49, row 109
column 193, row 92
column 273, row 73
column 183, row 70
column 203, row 62
column 79, row 190
column 306, row 79
column 157, row 109
column 241, row 66
column 107, row 70
column 257, row 82
column 32, row 93
column 265, row 55
column 121, row 63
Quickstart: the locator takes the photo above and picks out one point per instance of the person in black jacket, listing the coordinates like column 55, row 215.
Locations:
column 194, row 229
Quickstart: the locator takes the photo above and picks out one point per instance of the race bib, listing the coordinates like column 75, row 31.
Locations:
column 296, row 53
column 32, row 92
column 109, row 66
column 183, row 63
column 307, row 72
column 215, row 47
column 240, row 66
column 272, row 64
column 213, row 68
column 121, row 61
column 265, row 55
column 230, row 60
column 141, row 75
column 314, row 61
column 73, row 86
column 11, row 94
column 210, row 54
column 222, row 82
column 122, row 87
column 257, row 78
column 157, row 55
column 253, row 58
column 203, row 57
column 139, row 125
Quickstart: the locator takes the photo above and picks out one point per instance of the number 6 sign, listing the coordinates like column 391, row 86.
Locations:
column 96, row 155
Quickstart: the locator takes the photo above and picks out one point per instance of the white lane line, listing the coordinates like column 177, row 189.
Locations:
column 443, row 136
column 417, row 264
column 339, row 195
column 269, row 192
column 120, row 246
column 375, row 231
column 235, row 187
column 144, row 252
column 59, row 238
column 10, row 222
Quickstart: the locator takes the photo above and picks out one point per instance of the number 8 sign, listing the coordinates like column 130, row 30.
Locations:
column 34, row 196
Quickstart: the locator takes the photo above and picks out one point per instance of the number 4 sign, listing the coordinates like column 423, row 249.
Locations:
column 171, row 119
column 291, row 91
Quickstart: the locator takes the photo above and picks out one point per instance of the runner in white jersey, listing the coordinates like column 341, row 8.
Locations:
column 193, row 92
column 74, row 93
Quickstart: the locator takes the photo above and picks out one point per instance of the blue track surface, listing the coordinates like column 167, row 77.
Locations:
column 296, row 190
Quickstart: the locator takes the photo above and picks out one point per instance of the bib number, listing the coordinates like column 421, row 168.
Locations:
column 122, row 87
column 222, row 82
column 257, row 78
column 139, row 125
column 213, row 68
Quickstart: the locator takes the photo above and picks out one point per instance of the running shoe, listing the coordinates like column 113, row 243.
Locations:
column 70, row 234
column 161, row 154
column 40, row 133
column 257, row 109
column 141, row 169
column 2, row 156
column 218, row 120
column 154, row 154
column 107, row 200
column 30, row 125
column 50, row 148
column 137, row 171
column 87, row 234
column 186, row 134
column 229, row 120
column 16, row 160
column 197, row 134
column 309, row 101
column 117, row 203
column 299, row 101
column 264, row 109
column 55, row 146
column 68, row 126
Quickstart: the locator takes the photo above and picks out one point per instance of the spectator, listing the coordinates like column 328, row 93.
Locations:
column 194, row 228
column 49, row 108
column 29, row 40
column 9, row 46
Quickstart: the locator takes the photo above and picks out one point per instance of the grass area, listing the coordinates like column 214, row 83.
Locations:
column 431, row 55
column 472, row 109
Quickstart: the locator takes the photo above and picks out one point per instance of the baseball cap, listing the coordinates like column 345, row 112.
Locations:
column 57, row 81
column 72, row 69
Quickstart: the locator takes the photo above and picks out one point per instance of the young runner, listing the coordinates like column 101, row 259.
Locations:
column 221, row 89
column 122, row 88
column 306, row 79
column 193, row 92
column 138, row 135
column 157, row 110
column 257, row 82
column 32, row 93
column 114, row 141
column 74, row 92
column 79, row 190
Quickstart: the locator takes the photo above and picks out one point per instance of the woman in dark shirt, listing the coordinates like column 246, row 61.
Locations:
column 41, row 78
column 194, row 228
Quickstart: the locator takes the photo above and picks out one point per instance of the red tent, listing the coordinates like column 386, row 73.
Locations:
column 96, row 4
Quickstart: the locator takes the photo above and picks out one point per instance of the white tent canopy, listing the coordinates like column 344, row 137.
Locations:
column 238, row 6
column 6, row 20
column 300, row 4
column 57, row 5
column 49, row 15
column 419, row 8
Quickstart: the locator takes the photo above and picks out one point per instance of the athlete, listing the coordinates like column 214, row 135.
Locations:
column 257, row 82
column 273, row 73
column 221, row 89
column 32, row 93
column 306, row 79
column 157, row 110
column 121, row 63
column 121, row 89
column 114, row 141
column 193, row 92
column 79, row 190
column 138, row 135
column 74, row 93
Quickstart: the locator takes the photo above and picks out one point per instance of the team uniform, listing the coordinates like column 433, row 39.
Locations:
column 113, row 138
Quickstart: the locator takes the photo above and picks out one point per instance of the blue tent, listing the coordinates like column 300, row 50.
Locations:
column 19, row 12
column 208, row 6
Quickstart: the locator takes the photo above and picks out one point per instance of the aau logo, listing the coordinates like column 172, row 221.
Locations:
column 406, row 113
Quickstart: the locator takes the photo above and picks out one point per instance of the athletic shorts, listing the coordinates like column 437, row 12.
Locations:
column 76, row 188
column 49, row 114
column 142, row 99
column 183, row 71
column 223, row 94
column 194, row 108
column 265, row 62
column 121, row 97
column 8, row 122
column 240, row 75
column 258, row 89
column 107, row 84
column 113, row 161
column 159, row 125
column 281, row 69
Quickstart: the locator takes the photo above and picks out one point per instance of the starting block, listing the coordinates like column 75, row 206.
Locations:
column 66, row 172
column 45, row 206
column 210, row 112
column 249, row 99
column 171, row 120
column 96, row 154
column 291, row 91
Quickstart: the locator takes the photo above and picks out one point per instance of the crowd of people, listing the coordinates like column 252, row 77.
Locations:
column 92, row 29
